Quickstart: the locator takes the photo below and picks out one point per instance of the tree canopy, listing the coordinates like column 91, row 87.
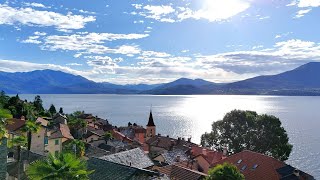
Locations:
column 246, row 130
column 62, row 166
column 52, row 110
column 225, row 171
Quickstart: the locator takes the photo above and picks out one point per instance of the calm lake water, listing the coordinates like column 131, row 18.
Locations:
column 191, row 116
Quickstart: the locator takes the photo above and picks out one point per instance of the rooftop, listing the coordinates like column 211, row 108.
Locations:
column 111, row 170
column 255, row 165
column 134, row 158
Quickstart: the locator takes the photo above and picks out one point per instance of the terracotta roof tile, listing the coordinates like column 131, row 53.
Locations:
column 15, row 124
column 180, row 173
column 266, row 166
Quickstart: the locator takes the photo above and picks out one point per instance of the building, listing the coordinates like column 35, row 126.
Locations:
column 59, row 134
column 151, row 127
column 259, row 166
column 38, row 139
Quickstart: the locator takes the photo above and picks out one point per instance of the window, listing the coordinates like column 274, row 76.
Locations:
column 45, row 140
column 243, row 168
column 240, row 160
column 255, row 166
column 56, row 142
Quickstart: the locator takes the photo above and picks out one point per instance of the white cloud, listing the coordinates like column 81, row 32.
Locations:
column 217, row 10
column 308, row 3
column 212, row 10
column 74, row 64
column 91, row 43
column 301, row 13
column 32, row 40
column 39, row 5
column 284, row 56
column 31, row 17
column 40, row 33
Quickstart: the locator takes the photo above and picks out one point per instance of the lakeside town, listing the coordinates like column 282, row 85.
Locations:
column 37, row 138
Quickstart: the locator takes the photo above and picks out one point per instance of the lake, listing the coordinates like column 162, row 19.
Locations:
column 191, row 116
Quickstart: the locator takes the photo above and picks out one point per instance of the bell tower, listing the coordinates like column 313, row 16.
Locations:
column 151, row 127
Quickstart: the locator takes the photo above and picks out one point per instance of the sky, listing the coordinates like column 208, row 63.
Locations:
column 157, row 41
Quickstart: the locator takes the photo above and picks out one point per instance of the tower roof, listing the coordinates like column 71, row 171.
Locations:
column 150, row 122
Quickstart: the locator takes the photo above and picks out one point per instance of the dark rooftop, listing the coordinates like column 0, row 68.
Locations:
column 110, row 171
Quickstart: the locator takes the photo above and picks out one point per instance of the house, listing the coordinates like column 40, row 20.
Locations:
column 171, row 157
column 133, row 158
column 111, row 170
column 259, row 166
column 134, row 132
column 59, row 134
column 121, row 137
column 159, row 144
column 59, row 119
column 14, row 127
column 177, row 172
column 93, row 134
column 205, row 157
column 38, row 139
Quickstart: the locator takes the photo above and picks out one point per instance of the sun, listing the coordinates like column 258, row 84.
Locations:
column 217, row 10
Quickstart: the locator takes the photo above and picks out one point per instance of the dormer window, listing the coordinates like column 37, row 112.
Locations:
column 239, row 161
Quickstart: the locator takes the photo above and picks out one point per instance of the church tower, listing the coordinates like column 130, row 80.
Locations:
column 151, row 127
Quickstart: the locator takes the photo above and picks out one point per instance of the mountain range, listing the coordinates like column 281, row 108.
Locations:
column 304, row 80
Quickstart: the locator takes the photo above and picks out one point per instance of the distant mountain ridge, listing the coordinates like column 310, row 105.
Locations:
column 304, row 80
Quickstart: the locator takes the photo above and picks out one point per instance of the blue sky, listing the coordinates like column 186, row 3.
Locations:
column 152, row 41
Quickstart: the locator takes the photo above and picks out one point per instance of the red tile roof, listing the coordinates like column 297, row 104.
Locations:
column 266, row 165
column 15, row 124
column 180, row 173
column 42, row 121
column 119, row 136
column 211, row 156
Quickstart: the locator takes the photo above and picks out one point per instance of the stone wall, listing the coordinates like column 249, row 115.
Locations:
column 3, row 159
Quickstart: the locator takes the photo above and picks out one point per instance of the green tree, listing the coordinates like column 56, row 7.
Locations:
column 4, row 114
column 37, row 103
column 30, row 127
column 61, row 110
column 19, row 142
column 107, row 136
column 75, row 146
column 75, row 124
column 60, row 167
column 246, row 130
column 52, row 110
column 3, row 99
column 225, row 171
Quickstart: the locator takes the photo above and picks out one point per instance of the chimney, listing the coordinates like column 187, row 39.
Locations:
column 183, row 139
column 168, row 136
column 178, row 158
column 171, row 145
column 296, row 172
column 204, row 151
column 23, row 118
column 189, row 139
column 159, row 134
column 225, row 152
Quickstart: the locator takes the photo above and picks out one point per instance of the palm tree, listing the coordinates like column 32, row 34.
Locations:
column 62, row 166
column 30, row 127
column 75, row 146
column 19, row 142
